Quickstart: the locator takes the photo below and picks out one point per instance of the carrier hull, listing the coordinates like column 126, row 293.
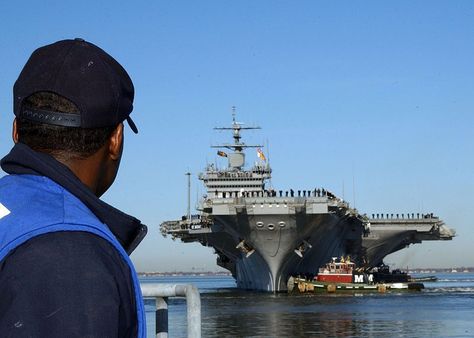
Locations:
column 306, row 240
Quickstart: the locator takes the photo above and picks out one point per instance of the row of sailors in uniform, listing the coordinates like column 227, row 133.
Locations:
column 381, row 216
column 272, row 193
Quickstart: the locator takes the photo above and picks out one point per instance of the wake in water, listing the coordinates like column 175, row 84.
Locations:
column 445, row 290
column 457, row 280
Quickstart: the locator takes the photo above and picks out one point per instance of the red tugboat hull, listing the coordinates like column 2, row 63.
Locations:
column 335, row 278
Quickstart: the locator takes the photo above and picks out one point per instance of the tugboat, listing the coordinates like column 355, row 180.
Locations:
column 382, row 274
column 343, row 275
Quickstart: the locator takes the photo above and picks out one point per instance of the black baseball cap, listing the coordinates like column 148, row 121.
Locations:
column 82, row 73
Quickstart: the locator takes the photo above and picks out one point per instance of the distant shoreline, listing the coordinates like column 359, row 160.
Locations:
column 183, row 273
column 442, row 270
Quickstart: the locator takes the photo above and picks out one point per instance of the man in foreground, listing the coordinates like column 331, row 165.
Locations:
column 64, row 265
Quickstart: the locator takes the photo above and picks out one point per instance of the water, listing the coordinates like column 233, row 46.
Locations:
column 444, row 309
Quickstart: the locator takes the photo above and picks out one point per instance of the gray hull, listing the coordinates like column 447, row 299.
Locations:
column 274, row 259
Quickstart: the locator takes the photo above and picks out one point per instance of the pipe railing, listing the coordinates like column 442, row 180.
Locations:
column 161, row 292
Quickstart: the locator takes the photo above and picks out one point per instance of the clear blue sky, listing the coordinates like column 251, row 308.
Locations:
column 378, row 91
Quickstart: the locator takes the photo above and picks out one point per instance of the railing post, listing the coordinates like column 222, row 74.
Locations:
column 193, row 301
column 161, row 318
column 161, row 291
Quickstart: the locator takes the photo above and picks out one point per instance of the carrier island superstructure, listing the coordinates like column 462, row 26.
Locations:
column 263, row 236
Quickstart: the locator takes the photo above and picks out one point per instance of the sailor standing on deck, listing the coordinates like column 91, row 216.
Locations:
column 64, row 265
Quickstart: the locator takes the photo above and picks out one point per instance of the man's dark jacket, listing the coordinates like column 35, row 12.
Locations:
column 67, row 283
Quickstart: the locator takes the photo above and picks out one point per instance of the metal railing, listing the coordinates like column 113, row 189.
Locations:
column 161, row 292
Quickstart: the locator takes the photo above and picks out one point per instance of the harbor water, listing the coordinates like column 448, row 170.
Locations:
column 443, row 309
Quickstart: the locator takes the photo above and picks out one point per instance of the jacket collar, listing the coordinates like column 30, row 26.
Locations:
column 23, row 160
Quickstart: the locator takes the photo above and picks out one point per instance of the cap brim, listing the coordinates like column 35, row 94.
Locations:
column 132, row 125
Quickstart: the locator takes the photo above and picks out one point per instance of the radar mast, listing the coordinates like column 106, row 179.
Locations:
column 237, row 157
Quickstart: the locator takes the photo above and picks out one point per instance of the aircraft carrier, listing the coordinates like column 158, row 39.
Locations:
column 263, row 236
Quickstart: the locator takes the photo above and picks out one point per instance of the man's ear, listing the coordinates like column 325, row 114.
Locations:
column 15, row 132
column 116, row 143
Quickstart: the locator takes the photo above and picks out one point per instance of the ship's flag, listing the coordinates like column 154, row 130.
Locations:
column 261, row 155
column 221, row 153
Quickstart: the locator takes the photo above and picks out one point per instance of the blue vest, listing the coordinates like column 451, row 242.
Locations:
column 34, row 205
